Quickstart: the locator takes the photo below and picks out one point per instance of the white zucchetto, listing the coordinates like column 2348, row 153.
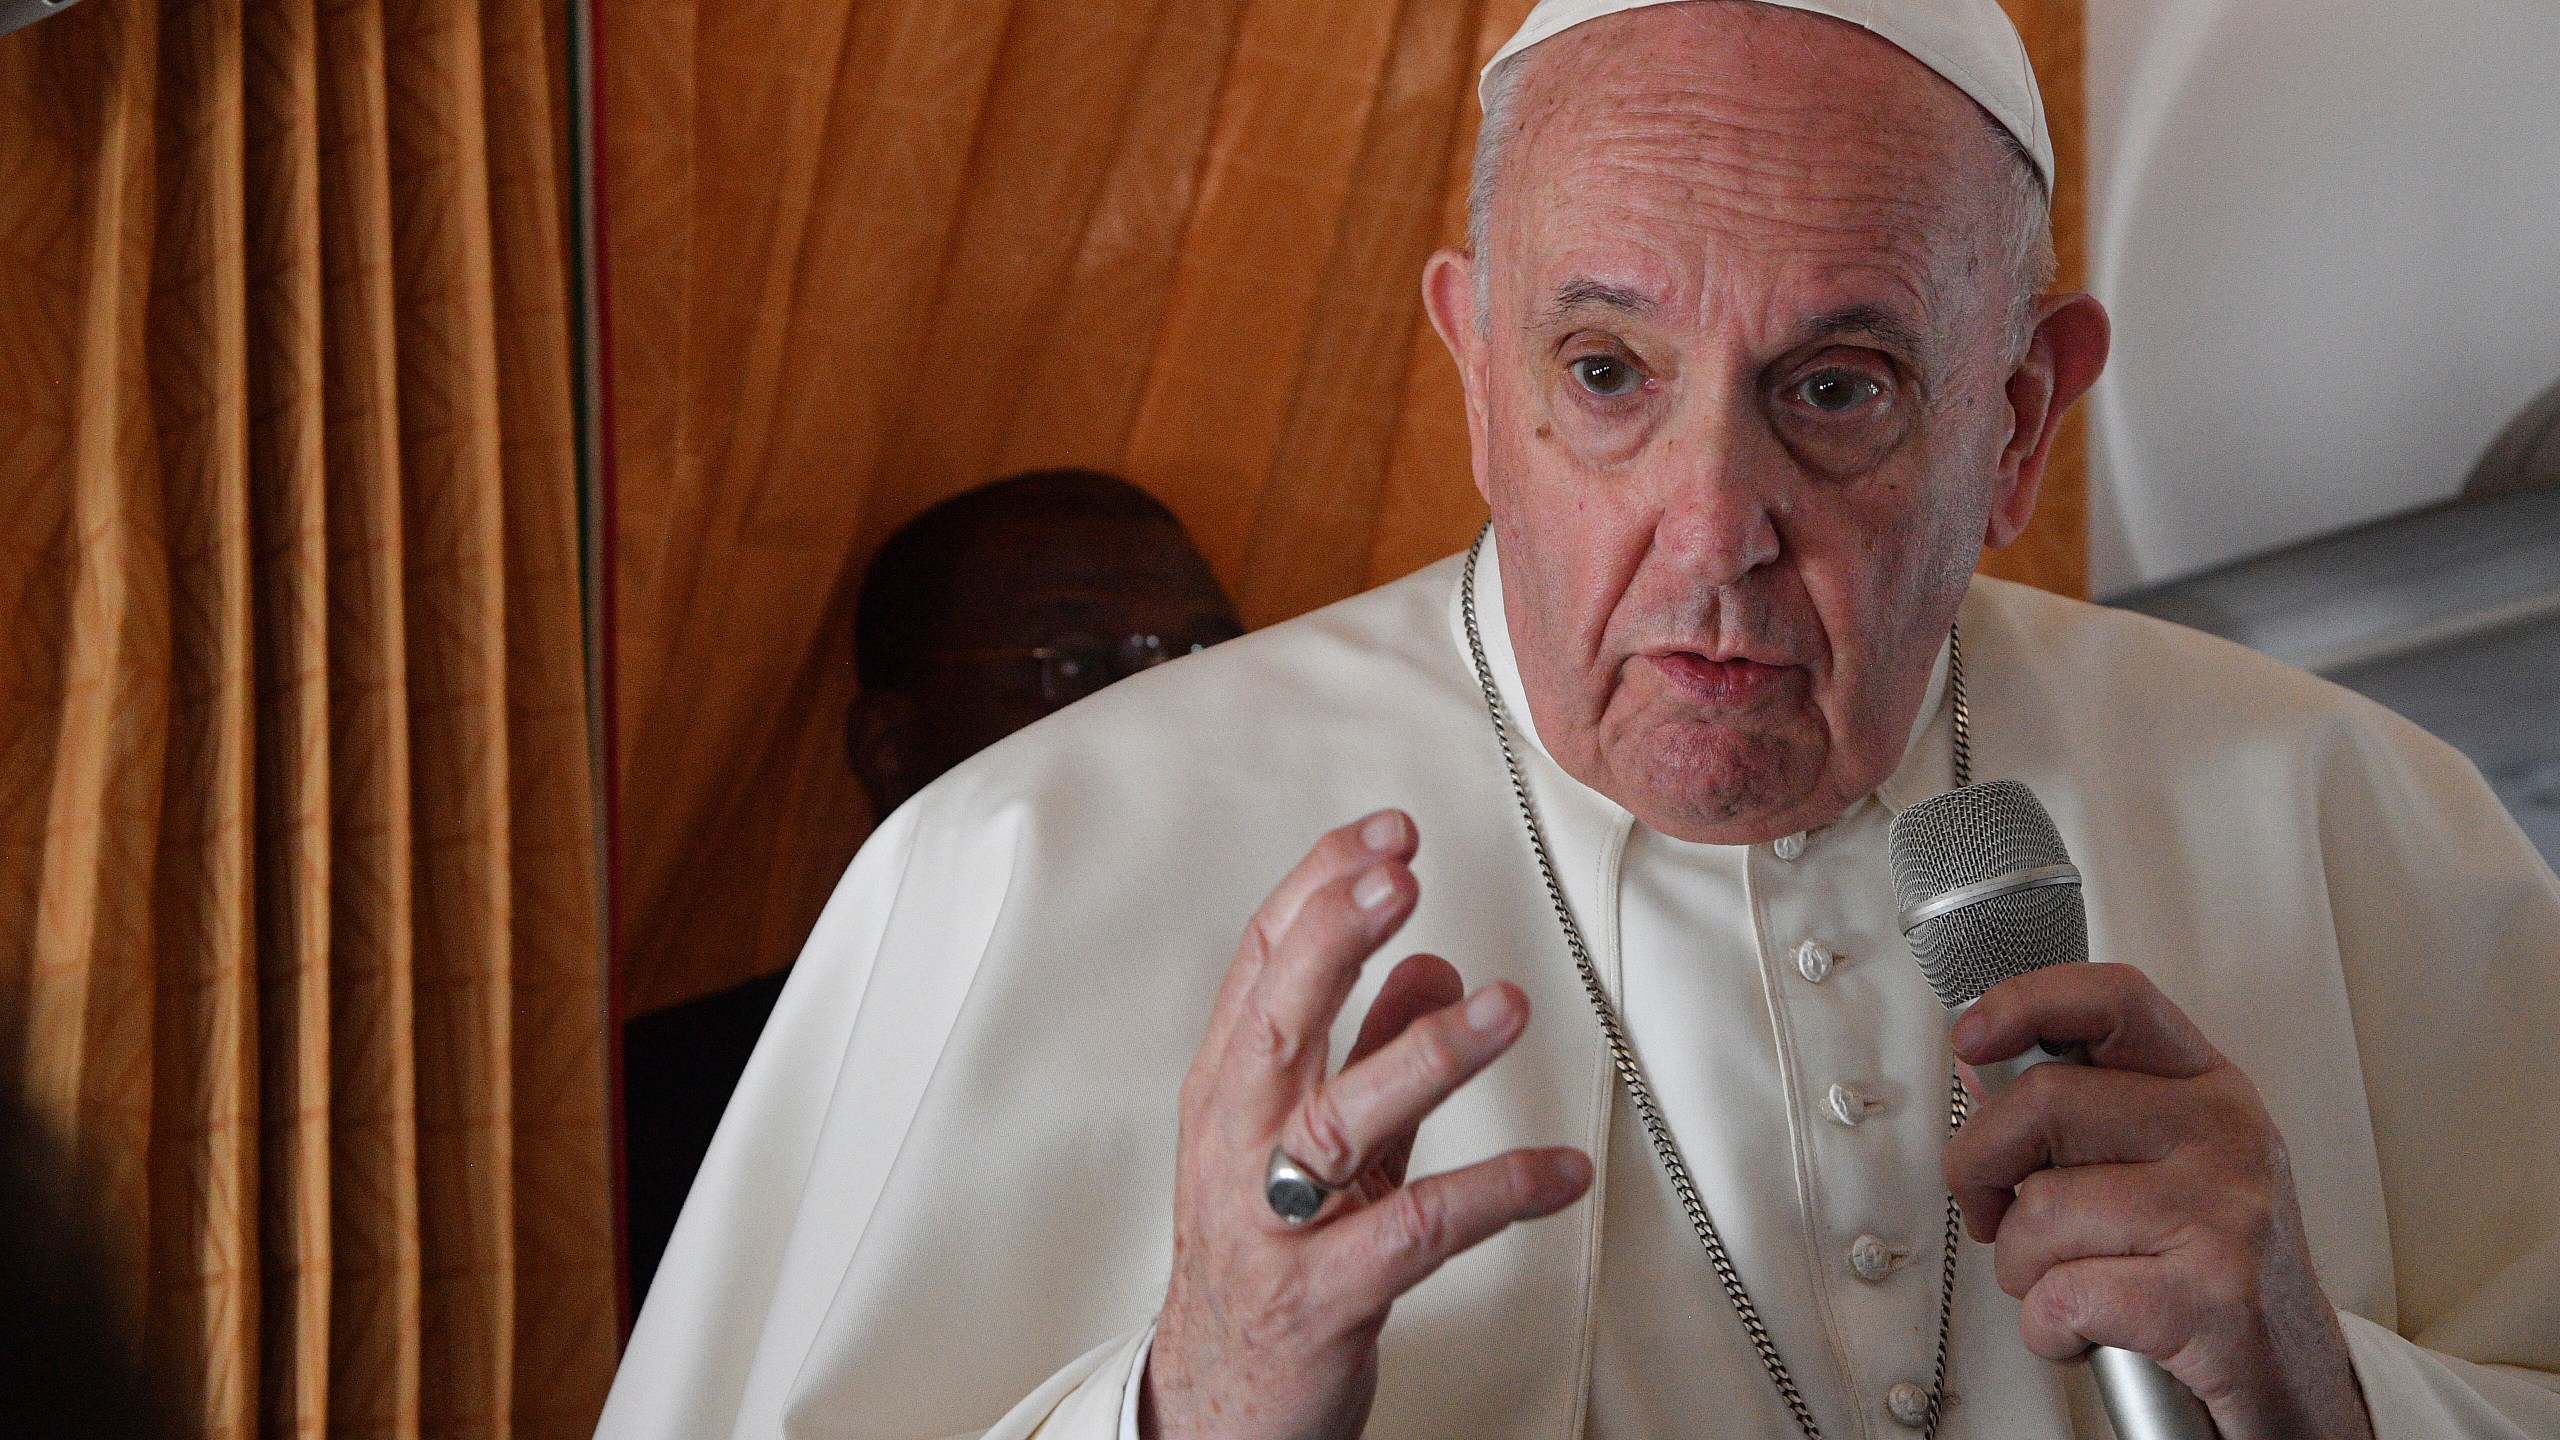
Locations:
column 1970, row 42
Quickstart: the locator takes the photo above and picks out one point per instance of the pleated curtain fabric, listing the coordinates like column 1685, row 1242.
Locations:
column 869, row 253
column 299, row 938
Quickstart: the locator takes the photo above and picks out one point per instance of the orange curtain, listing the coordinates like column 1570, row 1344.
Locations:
column 868, row 253
column 299, row 945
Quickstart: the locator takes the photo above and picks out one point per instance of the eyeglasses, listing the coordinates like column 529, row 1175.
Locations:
column 1074, row 666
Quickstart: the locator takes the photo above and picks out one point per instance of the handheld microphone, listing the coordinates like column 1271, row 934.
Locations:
column 1987, row 891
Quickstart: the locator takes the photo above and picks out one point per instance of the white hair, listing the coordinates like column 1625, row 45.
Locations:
column 2029, row 253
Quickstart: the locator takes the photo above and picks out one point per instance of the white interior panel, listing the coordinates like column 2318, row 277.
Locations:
column 2329, row 232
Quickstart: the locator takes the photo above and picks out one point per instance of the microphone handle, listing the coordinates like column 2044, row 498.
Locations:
column 2144, row 1402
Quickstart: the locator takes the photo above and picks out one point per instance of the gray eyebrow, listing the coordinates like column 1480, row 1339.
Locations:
column 1865, row 320
column 1582, row 290
column 1873, row 320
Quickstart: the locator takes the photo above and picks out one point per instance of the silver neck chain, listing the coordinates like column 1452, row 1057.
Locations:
column 1631, row 1074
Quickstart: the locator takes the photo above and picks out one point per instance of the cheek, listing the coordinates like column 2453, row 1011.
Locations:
column 1543, row 429
column 1572, row 539
column 1599, row 436
column 1553, row 510
column 1879, row 563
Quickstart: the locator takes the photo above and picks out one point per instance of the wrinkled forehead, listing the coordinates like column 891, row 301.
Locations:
column 1700, row 150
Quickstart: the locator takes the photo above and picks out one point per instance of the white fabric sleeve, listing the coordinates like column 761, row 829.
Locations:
column 2416, row 1394
column 685, row 1374
column 1092, row 1399
column 2449, row 926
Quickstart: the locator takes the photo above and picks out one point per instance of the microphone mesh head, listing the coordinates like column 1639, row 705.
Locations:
column 1971, row 835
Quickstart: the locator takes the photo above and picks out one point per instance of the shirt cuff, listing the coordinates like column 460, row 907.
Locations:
column 2413, row 1393
column 1137, row 1386
column 1084, row 1401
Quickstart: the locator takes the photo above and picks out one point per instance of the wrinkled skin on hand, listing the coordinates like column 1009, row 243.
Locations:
column 1270, row 1331
column 2144, row 1201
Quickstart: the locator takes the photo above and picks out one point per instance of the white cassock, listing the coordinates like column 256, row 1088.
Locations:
column 941, row 1202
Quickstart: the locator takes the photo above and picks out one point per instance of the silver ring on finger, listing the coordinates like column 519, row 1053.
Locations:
column 1293, row 1191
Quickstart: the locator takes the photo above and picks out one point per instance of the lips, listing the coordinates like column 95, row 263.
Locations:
column 1729, row 683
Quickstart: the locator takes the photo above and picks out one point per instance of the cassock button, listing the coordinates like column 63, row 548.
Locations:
column 1908, row 1404
column 1789, row 847
column 1850, row 1106
column 1872, row 1260
column 1813, row 961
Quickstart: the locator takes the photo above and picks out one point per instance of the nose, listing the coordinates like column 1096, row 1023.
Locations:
column 1719, row 521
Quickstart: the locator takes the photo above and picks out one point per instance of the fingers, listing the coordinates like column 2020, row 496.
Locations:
column 2201, row 1233
column 1388, row 1248
column 2066, row 1115
column 2071, row 1115
column 2061, row 1216
column 2115, row 1010
column 1283, row 1033
column 1342, row 1126
column 1341, row 854
column 2207, row 1273
column 1387, row 837
column 2109, row 1300
column 1417, row 986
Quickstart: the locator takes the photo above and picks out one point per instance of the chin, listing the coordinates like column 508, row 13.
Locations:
column 1718, row 785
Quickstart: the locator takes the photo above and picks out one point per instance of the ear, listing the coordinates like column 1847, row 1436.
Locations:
column 2063, row 360
column 878, row 742
column 1449, row 294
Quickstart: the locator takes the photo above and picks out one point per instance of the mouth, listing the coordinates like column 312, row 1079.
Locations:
column 1729, row 683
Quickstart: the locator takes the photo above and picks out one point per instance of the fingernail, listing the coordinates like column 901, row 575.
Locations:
column 1573, row 1168
column 1383, row 832
column 1487, row 1009
column 1374, row 889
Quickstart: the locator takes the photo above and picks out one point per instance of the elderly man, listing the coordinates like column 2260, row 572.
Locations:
column 1757, row 361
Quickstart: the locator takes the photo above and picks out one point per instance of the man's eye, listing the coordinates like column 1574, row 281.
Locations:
column 1606, row 376
column 1835, row 392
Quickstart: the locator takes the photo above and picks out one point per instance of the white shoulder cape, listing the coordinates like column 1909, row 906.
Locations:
column 940, row 1201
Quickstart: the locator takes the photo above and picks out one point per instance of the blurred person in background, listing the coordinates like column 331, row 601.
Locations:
column 984, row 613
column 1006, row 603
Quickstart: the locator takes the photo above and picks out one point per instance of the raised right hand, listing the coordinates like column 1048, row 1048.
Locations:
column 1270, row 1331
